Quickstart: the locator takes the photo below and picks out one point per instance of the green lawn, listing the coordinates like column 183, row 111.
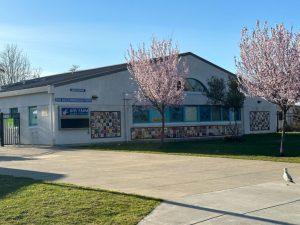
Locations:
column 258, row 147
column 27, row 201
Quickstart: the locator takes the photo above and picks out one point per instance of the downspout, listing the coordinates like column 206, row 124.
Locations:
column 243, row 120
column 126, row 98
column 125, row 116
column 51, row 92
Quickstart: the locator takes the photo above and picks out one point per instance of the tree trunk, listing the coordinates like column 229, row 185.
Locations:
column 162, row 134
column 283, row 133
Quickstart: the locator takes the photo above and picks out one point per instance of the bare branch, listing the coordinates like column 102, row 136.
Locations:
column 15, row 66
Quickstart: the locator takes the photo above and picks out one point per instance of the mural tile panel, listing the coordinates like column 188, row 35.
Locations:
column 105, row 124
column 179, row 132
column 259, row 120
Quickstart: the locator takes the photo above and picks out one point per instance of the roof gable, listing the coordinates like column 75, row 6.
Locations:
column 208, row 62
column 67, row 78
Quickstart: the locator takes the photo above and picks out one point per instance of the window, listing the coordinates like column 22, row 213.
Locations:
column 205, row 113
column 238, row 114
column 225, row 114
column 155, row 116
column 33, row 116
column 194, row 85
column 235, row 114
column 190, row 113
column 140, row 114
column 187, row 113
column 175, row 114
column 74, row 117
column 13, row 111
column 216, row 113
column 74, row 123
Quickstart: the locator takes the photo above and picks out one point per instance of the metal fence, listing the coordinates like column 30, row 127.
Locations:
column 292, row 120
column 10, row 128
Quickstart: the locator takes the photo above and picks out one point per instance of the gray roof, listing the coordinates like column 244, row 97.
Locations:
column 67, row 78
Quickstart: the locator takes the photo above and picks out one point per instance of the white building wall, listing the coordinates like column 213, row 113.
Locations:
column 110, row 91
column 40, row 134
column 115, row 92
column 255, row 104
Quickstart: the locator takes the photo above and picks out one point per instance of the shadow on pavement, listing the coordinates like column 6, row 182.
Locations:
column 228, row 213
column 14, row 158
column 32, row 174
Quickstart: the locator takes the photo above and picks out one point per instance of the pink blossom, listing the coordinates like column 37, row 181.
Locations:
column 269, row 65
column 159, row 73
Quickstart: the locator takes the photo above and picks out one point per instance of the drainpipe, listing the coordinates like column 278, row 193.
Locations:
column 51, row 92
column 125, row 116
column 126, row 97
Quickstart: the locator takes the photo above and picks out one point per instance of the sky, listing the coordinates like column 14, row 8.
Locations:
column 57, row 34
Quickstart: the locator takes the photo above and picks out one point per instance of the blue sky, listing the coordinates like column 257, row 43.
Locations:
column 57, row 34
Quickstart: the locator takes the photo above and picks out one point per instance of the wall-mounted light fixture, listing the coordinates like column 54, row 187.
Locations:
column 258, row 102
column 94, row 97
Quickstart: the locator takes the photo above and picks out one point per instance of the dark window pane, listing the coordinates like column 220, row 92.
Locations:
column 225, row 114
column 237, row 114
column 140, row 114
column 13, row 110
column 176, row 114
column 216, row 113
column 33, row 121
column 74, row 123
column 192, row 84
column 205, row 113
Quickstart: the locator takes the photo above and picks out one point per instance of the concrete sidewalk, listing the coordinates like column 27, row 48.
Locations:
column 195, row 189
column 269, row 203
column 156, row 175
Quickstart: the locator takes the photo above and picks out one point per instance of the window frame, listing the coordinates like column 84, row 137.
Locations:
column 137, row 108
column 210, row 113
column 205, row 90
column 30, row 124
column 197, row 113
column 180, row 113
column 12, row 109
column 219, row 107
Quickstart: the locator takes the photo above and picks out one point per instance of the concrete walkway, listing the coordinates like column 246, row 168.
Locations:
column 269, row 203
column 196, row 189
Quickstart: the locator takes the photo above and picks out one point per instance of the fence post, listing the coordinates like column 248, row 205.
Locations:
column 1, row 129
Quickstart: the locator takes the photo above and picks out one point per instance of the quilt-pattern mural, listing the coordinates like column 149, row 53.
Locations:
column 179, row 132
column 105, row 124
column 259, row 120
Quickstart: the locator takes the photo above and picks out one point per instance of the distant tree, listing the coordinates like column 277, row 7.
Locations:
column 216, row 90
column 159, row 74
column 74, row 68
column 228, row 95
column 15, row 66
column 269, row 67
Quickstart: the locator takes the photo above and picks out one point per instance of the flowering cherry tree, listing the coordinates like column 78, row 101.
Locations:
column 269, row 67
column 159, row 73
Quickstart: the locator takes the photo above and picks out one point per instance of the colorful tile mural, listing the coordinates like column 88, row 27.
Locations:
column 105, row 124
column 259, row 120
column 179, row 131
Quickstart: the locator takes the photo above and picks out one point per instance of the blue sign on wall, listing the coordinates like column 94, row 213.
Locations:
column 73, row 99
column 74, row 111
